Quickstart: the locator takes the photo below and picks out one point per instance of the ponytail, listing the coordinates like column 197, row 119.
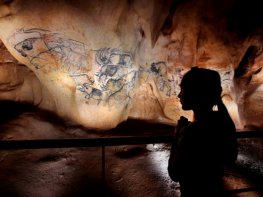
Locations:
column 221, row 107
column 230, row 143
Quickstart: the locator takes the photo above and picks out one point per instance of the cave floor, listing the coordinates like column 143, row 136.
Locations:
column 130, row 170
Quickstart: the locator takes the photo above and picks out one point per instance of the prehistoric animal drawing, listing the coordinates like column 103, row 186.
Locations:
column 41, row 47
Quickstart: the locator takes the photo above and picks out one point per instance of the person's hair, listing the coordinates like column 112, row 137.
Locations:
column 205, row 85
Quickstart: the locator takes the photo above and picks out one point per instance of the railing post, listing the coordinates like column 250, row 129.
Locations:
column 103, row 166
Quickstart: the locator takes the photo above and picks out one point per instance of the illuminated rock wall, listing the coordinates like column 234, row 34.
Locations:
column 100, row 62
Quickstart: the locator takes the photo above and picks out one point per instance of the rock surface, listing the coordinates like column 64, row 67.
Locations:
column 99, row 63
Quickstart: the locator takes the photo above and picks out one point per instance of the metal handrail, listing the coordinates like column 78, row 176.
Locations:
column 101, row 141
column 87, row 142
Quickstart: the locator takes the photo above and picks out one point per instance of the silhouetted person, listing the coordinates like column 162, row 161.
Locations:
column 202, row 148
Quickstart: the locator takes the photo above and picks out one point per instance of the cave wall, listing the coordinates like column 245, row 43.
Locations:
column 100, row 62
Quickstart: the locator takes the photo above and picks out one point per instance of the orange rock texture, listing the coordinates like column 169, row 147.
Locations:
column 99, row 63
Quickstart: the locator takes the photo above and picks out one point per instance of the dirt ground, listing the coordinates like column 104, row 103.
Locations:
column 130, row 170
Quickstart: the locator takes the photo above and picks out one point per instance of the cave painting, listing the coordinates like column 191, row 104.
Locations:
column 100, row 66
column 40, row 45
column 115, row 75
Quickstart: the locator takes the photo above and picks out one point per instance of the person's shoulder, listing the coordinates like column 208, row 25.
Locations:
column 190, row 129
column 220, row 117
column 223, row 121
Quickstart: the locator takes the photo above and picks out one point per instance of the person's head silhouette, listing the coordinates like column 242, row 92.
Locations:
column 200, row 90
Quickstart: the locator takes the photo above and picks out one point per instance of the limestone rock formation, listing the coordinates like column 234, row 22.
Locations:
column 99, row 63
